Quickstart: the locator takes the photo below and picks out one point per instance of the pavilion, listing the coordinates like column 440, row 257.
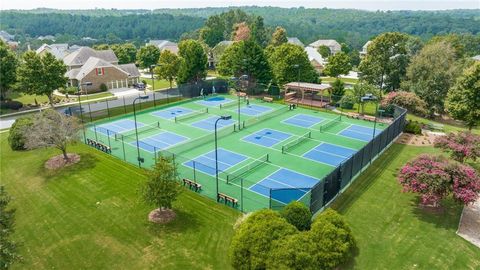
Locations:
column 311, row 94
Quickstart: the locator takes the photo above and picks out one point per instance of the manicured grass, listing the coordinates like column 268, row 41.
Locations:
column 95, row 96
column 345, row 80
column 392, row 231
column 90, row 216
column 159, row 84
column 447, row 127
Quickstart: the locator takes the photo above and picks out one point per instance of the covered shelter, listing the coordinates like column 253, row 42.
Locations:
column 311, row 94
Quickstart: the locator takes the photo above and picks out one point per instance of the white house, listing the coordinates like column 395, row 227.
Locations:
column 332, row 44
column 315, row 58
column 295, row 41
column 363, row 52
column 165, row 45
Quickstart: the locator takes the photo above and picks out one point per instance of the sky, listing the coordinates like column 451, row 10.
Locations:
column 155, row 4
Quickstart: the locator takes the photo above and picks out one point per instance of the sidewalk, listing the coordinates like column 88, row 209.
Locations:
column 469, row 227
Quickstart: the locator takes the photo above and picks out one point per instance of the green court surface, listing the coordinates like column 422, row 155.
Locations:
column 270, row 148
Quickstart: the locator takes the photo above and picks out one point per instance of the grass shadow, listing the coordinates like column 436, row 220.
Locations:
column 87, row 162
column 445, row 216
column 185, row 221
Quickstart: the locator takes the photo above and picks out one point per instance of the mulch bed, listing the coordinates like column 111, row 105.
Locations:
column 58, row 162
column 426, row 139
column 161, row 216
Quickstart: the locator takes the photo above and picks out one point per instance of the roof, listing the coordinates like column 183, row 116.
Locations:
column 131, row 69
column 225, row 43
column 325, row 42
column 307, row 86
column 92, row 63
column 313, row 54
column 5, row 36
column 366, row 45
column 296, row 41
column 161, row 43
column 59, row 50
column 476, row 57
column 80, row 56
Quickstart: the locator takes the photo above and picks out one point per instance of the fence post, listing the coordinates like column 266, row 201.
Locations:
column 123, row 146
column 90, row 112
column 124, row 106
column 241, row 194
column 108, row 137
column 269, row 198
column 194, row 172
column 108, row 109
column 154, row 103
column 95, row 129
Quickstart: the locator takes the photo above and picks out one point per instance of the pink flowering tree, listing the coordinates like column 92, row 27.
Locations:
column 435, row 177
column 407, row 100
column 461, row 146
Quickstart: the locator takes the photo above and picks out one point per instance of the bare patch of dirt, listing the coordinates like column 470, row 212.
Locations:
column 425, row 139
column 58, row 162
column 161, row 216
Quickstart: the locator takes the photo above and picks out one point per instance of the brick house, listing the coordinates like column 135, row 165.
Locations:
column 99, row 67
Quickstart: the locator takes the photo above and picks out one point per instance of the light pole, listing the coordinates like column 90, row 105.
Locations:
column 80, row 107
column 140, row 160
column 225, row 117
column 371, row 97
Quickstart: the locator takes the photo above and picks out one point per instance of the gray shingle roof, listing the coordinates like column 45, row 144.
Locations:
column 90, row 64
column 131, row 69
column 80, row 56
column 296, row 41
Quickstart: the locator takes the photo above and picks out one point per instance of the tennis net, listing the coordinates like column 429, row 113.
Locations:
column 248, row 168
column 329, row 124
column 229, row 105
column 190, row 115
column 140, row 130
column 255, row 120
column 296, row 142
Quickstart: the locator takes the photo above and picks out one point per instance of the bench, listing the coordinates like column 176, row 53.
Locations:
column 226, row 199
column 267, row 99
column 191, row 184
column 433, row 126
column 100, row 146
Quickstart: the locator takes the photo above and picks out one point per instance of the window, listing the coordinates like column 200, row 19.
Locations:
column 100, row 71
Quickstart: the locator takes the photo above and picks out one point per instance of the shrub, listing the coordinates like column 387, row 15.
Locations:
column 103, row 87
column 253, row 239
column 347, row 102
column 413, row 127
column 435, row 177
column 461, row 145
column 293, row 252
column 297, row 214
column 338, row 90
column 407, row 100
column 16, row 139
column 69, row 90
column 11, row 104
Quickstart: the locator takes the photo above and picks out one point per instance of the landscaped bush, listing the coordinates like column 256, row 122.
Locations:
column 461, row 145
column 16, row 139
column 407, row 100
column 103, row 87
column 11, row 104
column 253, row 239
column 435, row 177
column 293, row 252
column 413, row 127
column 347, row 102
column 69, row 90
column 297, row 214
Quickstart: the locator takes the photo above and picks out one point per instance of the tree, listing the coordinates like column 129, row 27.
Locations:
column 41, row 75
column 463, row 99
column 386, row 62
column 162, row 187
column 148, row 56
column 337, row 65
column 298, row 215
column 8, row 251
column 293, row 252
column 193, row 67
column 290, row 63
column 246, row 58
column 461, row 145
column 354, row 58
column 8, row 62
column 257, row 33
column 435, row 177
column 338, row 90
column 360, row 90
column 52, row 129
column 253, row 239
column 168, row 66
column 16, row 138
column 431, row 73
column 279, row 37
column 126, row 53
column 324, row 51
column 345, row 48
column 241, row 32
column 408, row 100
column 211, row 36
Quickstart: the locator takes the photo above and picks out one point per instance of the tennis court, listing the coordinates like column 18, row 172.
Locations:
column 268, row 153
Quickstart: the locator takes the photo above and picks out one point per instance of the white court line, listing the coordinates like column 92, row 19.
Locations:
column 275, row 139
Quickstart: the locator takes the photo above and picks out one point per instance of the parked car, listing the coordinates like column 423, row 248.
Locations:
column 139, row 86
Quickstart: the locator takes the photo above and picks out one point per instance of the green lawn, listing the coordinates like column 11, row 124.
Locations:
column 345, row 80
column 392, row 231
column 95, row 96
column 61, row 226
column 447, row 127
column 159, row 84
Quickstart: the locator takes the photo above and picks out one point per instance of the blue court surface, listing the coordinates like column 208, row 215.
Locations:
column 206, row 162
column 329, row 154
column 267, row 137
column 171, row 113
column 303, row 120
column 117, row 127
column 359, row 133
column 294, row 183
column 209, row 123
column 253, row 110
column 159, row 141
column 214, row 101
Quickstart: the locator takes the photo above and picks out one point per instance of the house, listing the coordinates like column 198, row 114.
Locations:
column 47, row 37
column 216, row 53
column 363, row 52
column 165, row 45
column 332, row 44
column 59, row 50
column 99, row 68
column 295, row 41
column 6, row 37
column 315, row 58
